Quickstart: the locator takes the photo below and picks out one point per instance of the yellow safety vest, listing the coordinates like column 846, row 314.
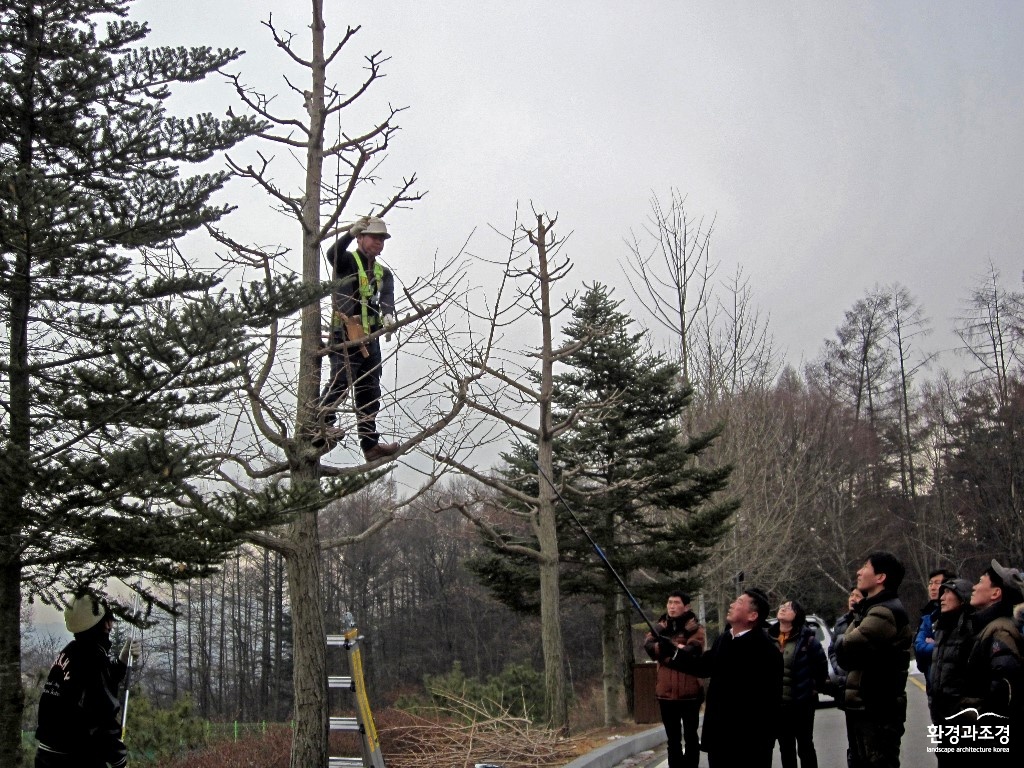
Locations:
column 366, row 288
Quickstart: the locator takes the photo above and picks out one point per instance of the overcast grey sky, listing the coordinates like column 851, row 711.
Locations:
column 839, row 144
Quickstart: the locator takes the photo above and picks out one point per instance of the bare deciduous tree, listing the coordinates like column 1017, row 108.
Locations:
column 272, row 451
column 502, row 392
column 673, row 278
column 990, row 332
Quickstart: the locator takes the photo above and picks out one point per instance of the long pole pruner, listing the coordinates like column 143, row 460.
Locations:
column 597, row 549
column 135, row 612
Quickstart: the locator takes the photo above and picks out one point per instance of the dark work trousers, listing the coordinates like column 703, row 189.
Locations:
column 742, row 753
column 851, row 759
column 875, row 740
column 681, row 718
column 365, row 377
column 796, row 735
column 46, row 759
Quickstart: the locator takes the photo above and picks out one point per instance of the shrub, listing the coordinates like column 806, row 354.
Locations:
column 517, row 691
column 270, row 749
column 154, row 734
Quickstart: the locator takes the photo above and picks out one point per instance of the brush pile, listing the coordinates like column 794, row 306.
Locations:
column 461, row 734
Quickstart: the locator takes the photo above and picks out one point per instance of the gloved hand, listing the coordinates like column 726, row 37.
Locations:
column 357, row 227
column 666, row 647
column 388, row 322
column 133, row 647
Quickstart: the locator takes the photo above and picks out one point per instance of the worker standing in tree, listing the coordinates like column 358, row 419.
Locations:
column 363, row 304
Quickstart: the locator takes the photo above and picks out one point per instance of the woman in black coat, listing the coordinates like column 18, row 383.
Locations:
column 805, row 671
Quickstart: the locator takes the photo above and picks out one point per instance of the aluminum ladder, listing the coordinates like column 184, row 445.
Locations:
column 363, row 720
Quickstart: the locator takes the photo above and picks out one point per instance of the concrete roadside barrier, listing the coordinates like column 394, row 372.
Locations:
column 616, row 751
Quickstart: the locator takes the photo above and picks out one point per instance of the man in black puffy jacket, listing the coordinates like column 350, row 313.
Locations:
column 78, row 709
column 995, row 664
column 952, row 647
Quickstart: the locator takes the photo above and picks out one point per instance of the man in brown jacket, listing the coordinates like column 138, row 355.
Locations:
column 679, row 694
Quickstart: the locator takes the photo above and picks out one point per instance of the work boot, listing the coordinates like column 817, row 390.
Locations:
column 380, row 451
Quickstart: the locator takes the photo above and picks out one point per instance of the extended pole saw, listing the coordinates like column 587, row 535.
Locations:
column 136, row 604
column 600, row 553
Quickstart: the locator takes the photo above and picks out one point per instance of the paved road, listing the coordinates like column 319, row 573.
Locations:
column 830, row 737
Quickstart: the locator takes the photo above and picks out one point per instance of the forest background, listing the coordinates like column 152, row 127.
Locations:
column 880, row 437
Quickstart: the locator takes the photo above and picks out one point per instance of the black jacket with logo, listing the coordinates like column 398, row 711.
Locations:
column 78, row 709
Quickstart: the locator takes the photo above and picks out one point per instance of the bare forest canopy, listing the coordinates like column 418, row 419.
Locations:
column 863, row 448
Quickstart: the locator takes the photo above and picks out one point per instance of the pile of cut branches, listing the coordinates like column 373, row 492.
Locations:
column 459, row 733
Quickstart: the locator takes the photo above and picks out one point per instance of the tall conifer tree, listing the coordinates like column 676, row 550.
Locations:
column 109, row 359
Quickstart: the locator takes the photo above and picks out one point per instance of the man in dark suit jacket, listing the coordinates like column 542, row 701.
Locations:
column 745, row 694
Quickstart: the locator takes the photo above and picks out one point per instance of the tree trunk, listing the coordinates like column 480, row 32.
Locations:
column 279, row 666
column 546, row 524
column 12, row 697
column 309, row 674
column 309, row 653
column 611, row 661
column 13, row 463
column 626, row 657
column 551, row 645
column 174, row 643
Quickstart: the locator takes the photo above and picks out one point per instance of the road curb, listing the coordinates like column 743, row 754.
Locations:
column 614, row 753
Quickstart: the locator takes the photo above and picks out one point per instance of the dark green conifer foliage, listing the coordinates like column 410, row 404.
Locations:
column 630, row 476
column 109, row 363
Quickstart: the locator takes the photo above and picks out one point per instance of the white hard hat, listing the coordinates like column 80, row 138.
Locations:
column 375, row 226
column 84, row 613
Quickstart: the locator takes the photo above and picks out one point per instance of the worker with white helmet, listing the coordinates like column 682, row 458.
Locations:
column 363, row 304
column 78, row 723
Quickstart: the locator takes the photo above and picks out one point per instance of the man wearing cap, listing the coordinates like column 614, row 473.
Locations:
column 363, row 304
column 948, row 668
column 995, row 673
column 78, row 723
